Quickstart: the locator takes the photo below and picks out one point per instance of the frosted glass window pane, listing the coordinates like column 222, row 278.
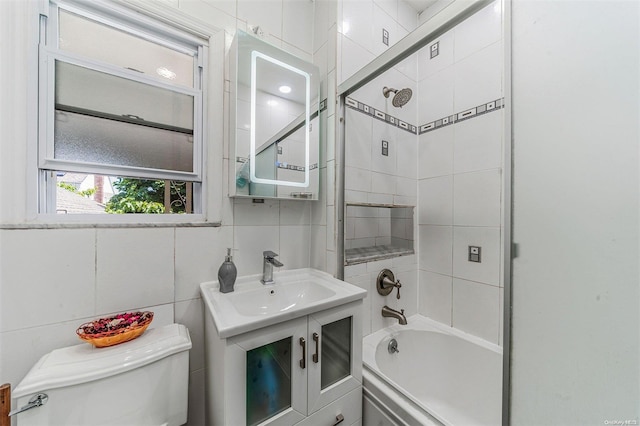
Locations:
column 335, row 352
column 104, row 43
column 90, row 139
column 83, row 88
column 268, row 380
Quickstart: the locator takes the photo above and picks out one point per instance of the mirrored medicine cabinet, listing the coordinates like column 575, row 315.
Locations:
column 274, row 126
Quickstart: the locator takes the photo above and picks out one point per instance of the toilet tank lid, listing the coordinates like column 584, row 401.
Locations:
column 84, row 363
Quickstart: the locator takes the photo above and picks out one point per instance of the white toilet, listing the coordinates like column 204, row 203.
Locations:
column 140, row 382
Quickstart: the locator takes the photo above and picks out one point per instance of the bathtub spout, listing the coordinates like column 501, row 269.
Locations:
column 392, row 313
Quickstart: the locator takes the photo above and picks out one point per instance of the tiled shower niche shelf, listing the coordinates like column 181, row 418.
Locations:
column 377, row 231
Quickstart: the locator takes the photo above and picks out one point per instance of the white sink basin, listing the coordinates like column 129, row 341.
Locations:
column 269, row 300
column 254, row 305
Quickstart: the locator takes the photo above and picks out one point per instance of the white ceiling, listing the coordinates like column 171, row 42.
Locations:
column 420, row 5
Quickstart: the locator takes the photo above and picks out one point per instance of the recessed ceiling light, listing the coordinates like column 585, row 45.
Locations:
column 284, row 89
column 166, row 73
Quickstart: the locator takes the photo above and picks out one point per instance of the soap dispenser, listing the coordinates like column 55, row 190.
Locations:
column 227, row 274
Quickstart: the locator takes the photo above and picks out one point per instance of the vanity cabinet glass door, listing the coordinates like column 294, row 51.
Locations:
column 335, row 353
column 293, row 369
column 273, row 387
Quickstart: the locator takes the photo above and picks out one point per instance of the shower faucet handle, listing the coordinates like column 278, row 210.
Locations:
column 386, row 282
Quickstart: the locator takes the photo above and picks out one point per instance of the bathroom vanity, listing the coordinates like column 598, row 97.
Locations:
column 288, row 353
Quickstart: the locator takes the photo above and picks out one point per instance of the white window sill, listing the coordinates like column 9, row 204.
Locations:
column 114, row 221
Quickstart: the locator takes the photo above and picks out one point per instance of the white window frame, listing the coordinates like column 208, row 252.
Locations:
column 162, row 25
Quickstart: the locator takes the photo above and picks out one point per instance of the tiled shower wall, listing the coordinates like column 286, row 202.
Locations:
column 370, row 176
column 460, row 176
column 457, row 107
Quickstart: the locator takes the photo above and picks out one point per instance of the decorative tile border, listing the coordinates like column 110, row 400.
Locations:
column 380, row 115
column 445, row 121
column 463, row 115
column 282, row 165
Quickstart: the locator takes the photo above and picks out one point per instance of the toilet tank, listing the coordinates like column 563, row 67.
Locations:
column 140, row 382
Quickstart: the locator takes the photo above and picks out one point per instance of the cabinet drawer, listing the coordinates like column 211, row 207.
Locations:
column 349, row 406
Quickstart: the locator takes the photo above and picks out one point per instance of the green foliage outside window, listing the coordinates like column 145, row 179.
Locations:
column 85, row 193
column 145, row 196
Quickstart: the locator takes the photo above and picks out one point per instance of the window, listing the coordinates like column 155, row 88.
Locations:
column 120, row 108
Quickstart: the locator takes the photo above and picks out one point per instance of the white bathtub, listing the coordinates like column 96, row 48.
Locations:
column 439, row 376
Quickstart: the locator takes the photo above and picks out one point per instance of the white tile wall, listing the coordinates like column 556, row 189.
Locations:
column 435, row 248
column 487, row 271
column 363, row 280
column 294, row 246
column 191, row 314
column 250, row 242
column 357, row 180
column 199, row 253
column 438, row 96
column 436, row 201
column 318, row 247
column 476, row 198
column 266, row 14
column 478, row 143
column 355, row 25
column 46, row 276
column 295, row 212
column 429, row 66
column 297, row 19
column 360, row 23
column 435, row 153
column 382, row 20
column 384, row 184
column 390, row 7
column 121, row 283
column 358, row 139
column 475, row 308
column 321, row 23
column 359, row 57
column 484, row 66
column 406, row 154
column 478, row 31
column 460, row 177
column 384, row 163
column 407, row 16
column 435, row 293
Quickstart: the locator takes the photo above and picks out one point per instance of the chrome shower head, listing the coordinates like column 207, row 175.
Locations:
column 400, row 97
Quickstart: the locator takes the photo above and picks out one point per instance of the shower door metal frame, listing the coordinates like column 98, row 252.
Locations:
column 450, row 16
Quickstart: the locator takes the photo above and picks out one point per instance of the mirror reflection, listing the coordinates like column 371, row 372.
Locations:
column 275, row 126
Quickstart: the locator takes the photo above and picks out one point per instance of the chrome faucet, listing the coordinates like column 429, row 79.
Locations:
column 267, row 266
column 392, row 313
